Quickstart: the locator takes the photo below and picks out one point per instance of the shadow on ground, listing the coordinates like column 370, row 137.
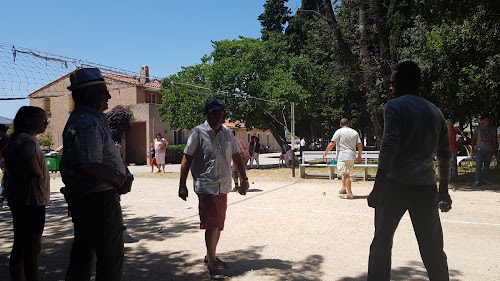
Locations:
column 177, row 266
column 141, row 263
column 414, row 271
column 465, row 181
column 58, row 238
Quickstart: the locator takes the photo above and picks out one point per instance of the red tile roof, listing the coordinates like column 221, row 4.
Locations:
column 117, row 77
column 232, row 125
column 130, row 80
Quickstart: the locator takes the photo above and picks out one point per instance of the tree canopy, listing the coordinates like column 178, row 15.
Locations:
column 334, row 60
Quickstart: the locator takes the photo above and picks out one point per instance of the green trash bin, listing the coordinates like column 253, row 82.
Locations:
column 52, row 161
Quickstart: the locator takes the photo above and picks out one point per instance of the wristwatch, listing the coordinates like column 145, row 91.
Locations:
column 244, row 179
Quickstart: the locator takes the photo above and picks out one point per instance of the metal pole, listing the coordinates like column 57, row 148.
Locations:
column 293, row 138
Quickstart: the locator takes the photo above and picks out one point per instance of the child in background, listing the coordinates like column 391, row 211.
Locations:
column 153, row 158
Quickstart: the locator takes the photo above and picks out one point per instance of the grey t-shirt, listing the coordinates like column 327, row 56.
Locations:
column 414, row 133
column 486, row 137
column 346, row 140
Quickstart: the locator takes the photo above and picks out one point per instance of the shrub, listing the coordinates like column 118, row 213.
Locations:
column 174, row 153
column 45, row 140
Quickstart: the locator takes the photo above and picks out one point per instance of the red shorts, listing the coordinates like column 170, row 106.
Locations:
column 212, row 210
column 153, row 162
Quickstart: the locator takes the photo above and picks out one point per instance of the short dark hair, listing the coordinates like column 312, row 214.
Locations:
column 407, row 77
column 486, row 115
column 344, row 122
column 3, row 128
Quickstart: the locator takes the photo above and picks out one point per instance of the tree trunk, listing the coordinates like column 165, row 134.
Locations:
column 277, row 130
column 368, row 86
column 380, row 9
column 362, row 70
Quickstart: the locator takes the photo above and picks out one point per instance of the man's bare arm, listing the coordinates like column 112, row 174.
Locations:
column 240, row 166
column 330, row 146
column 360, row 151
column 185, row 166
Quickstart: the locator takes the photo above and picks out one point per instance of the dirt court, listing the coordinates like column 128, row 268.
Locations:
column 284, row 229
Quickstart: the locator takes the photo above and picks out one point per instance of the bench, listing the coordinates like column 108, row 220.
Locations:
column 307, row 156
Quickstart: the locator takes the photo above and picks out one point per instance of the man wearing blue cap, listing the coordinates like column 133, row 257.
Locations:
column 94, row 174
column 208, row 153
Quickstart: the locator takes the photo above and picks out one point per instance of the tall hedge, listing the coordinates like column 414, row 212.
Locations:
column 174, row 153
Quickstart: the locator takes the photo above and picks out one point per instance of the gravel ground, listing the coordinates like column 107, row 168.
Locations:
column 284, row 229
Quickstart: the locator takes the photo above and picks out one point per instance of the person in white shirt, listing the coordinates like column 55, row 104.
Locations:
column 302, row 145
column 346, row 140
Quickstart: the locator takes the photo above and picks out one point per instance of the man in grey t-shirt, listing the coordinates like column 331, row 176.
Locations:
column 414, row 134
column 484, row 145
column 346, row 140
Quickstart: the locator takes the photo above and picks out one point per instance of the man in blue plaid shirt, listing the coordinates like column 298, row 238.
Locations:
column 94, row 174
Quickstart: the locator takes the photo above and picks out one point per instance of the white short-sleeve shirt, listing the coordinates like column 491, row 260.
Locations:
column 212, row 153
column 346, row 140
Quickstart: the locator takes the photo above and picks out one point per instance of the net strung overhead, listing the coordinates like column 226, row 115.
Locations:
column 24, row 71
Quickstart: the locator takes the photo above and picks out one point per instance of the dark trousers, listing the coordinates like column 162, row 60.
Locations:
column 98, row 234
column 421, row 202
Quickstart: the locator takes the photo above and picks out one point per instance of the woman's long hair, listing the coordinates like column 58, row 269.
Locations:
column 21, row 120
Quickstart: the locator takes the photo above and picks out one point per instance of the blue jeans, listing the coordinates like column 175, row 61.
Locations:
column 483, row 157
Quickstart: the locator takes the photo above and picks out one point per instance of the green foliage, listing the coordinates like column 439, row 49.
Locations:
column 174, row 153
column 45, row 140
column 10, row 129
column 457, row 46
column 459, row 57
column 119, row 122
column 275, row 16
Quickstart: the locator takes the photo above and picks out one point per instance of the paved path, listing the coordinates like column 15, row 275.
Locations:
column 284, row 229
column 266, row 160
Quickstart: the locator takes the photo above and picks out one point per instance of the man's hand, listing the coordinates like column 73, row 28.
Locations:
column 443, row 192
column 126, row 186
column 118, row 180
column 183, row 192
column 325, row 154
column 445, row 196
column 243, row 187
column 359, row 159
column 376, row 193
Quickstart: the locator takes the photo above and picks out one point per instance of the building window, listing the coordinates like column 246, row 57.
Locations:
column 152, row 98
column 179, row 137
column 46, row 105
column 268, row 139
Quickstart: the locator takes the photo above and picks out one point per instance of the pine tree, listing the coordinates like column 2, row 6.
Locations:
column 274, row 18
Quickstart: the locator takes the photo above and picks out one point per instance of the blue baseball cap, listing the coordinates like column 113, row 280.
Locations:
column 215, row 105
